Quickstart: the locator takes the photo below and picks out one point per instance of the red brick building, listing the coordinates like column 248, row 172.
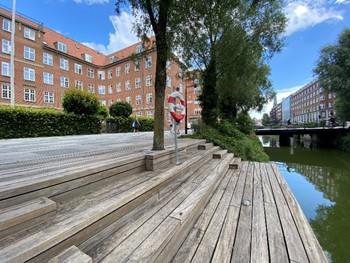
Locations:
column 194, row 89
column 47, row 63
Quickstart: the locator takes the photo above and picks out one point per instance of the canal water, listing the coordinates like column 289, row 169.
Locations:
column 320, row 181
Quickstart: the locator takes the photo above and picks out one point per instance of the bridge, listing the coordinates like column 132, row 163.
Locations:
column 323, row 135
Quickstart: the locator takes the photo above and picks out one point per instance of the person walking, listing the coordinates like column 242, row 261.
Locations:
column 136, row 125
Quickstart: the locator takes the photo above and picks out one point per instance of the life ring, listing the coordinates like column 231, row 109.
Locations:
column 173, row 107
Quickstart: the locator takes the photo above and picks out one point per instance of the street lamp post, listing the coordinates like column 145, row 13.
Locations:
column 12, row 62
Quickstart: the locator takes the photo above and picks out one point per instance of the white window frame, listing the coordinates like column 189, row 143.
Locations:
column 6, row 46
column 118, row 87
column 127, row 68
column 48, row 59
column 62, row 47
column 6, row 91
column 148, row 80
column 6, row 25
column 78, row 69
column 148, row 62
column 117, row 71
column 149, row 98
column 29, row 33
column 127, row 85
column 101, row 75
column 91, row 73
column 88, row 57
column 138, row 100
column 137, row 65
column 79, row 84
column 138, row 83
column 91, row 88
column 29, row 95
column 64, row 82
column 49, row 97
column 28, row 74
column 64, row 64
column 110, row 74
column 48, row 78
column 29, row 53
column 102, row 90
column 110, row 89
column 168, row 81
column 128, row 99
column 7, row 66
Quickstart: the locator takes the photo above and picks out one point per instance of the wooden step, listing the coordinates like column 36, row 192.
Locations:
column 78, row 227
column 163, row 241
column 16, row 215
column 235, row 164
column 71, row 255
column 205, row 146
column 219, row 154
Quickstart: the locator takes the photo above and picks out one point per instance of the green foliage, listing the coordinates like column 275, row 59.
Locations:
column 266, row 120
column 26, row 122
column 343, row 143
column 120, row 109
column 333, row 70
column 102, row 112
column 122, row 124
column 227, row 136
column 244, row 123
column 80, row 102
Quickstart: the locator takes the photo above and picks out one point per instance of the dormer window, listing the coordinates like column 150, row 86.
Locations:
column 61, row 46
column 139, row 49
column 29, row 33
column 88, row 57
column 113, row 59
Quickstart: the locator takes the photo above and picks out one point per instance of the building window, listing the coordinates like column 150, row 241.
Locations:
column 64, row 64
column 48, row 78
column 91, row 88
column 148, row 80
column 117, row 71
column 64, row 82
column 90, row 73
column 6, row 25
column 137, row 65
column 78, row 69
column 148, row 62
column 149, row 114
column 61, row 47
column 168, row 81
column 118, row 87
column 103, row 102
column 127, row 68
column 47, row 59
column 128, row 99
column 5, row 91
column 101, row 90
column 6, row 46
column 138, row 100
column 139, row 113
column 110, row 74
column 29, row 33
column 49, row 97
column 168, row 64
column 29, row 95
column 88, row 58
column 79, row 84
column 149, row 98
column 29, row 74
column 110, row 89
column 127, row 85
column 138, row 83
column 5, row 69
column 29, row 53
column 101, row 75
column 138, row 49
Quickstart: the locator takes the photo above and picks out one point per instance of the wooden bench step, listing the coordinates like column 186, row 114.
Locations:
column 219, row 154
column 71, row 255
column 235, row 164
column 80, row 226
column 19, row 214
column 205, row 146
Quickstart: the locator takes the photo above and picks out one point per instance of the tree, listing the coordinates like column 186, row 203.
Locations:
column 120, row 109
column 155, row 16
column 266, row 120
column 80, row 102
column 218, row 37
column 333, row 70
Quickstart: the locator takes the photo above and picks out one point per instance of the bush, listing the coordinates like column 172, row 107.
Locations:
column 120, row 109
column 102, row 112
column 244, row 123
column 80, row 102
column 25, row 122
column 122, row 124
column 343, row 143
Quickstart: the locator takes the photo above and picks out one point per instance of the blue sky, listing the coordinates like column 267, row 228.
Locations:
column 312, row 25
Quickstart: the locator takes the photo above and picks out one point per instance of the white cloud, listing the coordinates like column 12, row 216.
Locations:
column 302, row 14
column 280, row 95
column 122, row 36
column 342, row 1
column 91, row 2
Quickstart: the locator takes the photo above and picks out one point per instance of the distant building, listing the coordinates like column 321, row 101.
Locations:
column 276, row 114
column 286, row 110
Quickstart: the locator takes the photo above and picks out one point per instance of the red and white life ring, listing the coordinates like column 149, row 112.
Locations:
column 173, row 107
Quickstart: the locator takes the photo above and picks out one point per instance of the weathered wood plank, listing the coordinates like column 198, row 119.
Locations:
column 294, row 244
column 71, row 255
column 311, row 244
column 235, row 164
column 259, row 250
column 277, row 245
column 219, row 154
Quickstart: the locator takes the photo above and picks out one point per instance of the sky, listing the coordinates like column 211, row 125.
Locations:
column 312, row 24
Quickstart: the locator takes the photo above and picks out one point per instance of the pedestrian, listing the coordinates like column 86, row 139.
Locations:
column 136, row 125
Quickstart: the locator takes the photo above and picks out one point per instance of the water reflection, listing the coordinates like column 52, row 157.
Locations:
column 320, row 180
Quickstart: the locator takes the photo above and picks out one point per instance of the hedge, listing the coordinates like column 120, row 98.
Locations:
column 122, row 124
column 25, row 122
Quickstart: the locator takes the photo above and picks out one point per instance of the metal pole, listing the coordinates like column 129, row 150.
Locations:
column 176, row 151
column 186, row 110
column 12, row 63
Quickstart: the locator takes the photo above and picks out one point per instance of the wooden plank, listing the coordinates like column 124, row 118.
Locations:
column 242, row 244
column 294, row 244
column 311, row 244
column 223, row 250
column 71, row 255
column 27, row 211
column 277, row 245
column 235, row 163
column 219, row 154
column 259, row 250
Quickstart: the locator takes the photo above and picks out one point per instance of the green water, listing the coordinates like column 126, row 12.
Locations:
column 320, row 180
